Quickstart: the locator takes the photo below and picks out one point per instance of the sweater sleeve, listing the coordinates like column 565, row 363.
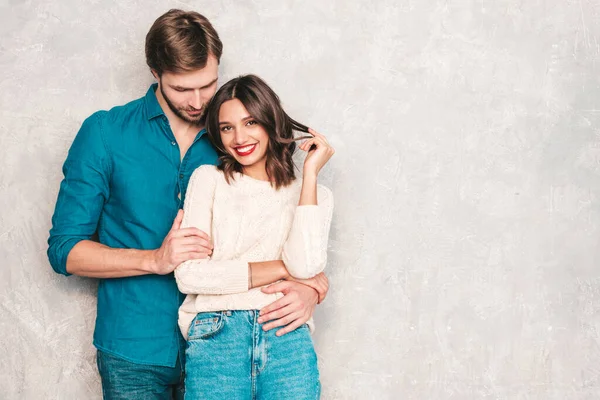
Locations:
column 305, row 250
column 207, row 276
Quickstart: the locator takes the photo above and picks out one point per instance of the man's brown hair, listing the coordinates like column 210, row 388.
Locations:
column 181, row 41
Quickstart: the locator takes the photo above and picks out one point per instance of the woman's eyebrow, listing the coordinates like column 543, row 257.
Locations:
column 243, row 119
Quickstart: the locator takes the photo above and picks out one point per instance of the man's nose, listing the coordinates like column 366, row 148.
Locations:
column 196, row 100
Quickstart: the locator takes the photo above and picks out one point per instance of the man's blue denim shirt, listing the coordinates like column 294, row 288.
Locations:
column 125, row 180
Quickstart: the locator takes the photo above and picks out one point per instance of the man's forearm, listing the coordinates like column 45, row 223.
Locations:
column 95, row 260
column 267, row 272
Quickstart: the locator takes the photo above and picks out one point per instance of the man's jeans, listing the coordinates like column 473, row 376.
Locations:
column 122, row 379
column 229, row 356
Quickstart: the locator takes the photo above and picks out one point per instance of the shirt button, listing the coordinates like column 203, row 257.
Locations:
column 173, row 143
column 180, row 176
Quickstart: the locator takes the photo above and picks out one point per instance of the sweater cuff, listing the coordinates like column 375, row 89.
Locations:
column 235, row 274
column 222, row 277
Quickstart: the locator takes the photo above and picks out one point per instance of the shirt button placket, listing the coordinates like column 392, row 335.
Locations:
column 180, row 185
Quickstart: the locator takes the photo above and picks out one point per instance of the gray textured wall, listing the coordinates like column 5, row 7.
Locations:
column 464, row 255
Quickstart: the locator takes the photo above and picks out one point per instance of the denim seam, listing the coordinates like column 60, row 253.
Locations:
column 254, row 342
column 264, row 352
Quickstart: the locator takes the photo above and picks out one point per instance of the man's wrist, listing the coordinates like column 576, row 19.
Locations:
column 150, row 264
column 319, row 298
column 316, row 292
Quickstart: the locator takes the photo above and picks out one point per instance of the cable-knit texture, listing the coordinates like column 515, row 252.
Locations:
column 248, row 221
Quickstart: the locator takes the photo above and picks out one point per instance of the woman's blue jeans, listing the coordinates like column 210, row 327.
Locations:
column 229, row 356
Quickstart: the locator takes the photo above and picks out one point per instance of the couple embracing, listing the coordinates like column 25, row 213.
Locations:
column 210, row 249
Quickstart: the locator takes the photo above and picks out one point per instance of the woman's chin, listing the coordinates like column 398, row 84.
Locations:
column 245, row 161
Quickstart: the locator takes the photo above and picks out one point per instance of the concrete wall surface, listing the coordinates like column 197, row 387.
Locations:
column 464, row 253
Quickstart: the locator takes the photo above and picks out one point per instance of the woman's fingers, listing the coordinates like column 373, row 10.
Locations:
column 317, row 141
column 307, row 145
column 318, row 149
column 317, row 134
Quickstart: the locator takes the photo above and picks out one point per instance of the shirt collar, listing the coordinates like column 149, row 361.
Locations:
column 153, row 108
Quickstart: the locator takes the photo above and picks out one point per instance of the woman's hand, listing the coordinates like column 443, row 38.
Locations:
column 319, row 152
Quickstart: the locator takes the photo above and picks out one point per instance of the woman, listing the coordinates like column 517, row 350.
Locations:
column 266, row 226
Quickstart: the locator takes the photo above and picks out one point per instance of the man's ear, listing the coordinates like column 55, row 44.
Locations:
column 155, row 74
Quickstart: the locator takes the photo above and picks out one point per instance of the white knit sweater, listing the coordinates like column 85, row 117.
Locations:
column 248, row 221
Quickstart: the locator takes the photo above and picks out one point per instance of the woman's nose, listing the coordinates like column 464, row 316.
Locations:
column 240, row 136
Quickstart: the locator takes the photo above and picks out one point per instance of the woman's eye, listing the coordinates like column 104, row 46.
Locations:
column 225, row 128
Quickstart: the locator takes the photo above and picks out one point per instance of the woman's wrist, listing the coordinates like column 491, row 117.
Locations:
column 309, row 176
column 308, row 194
column 266, row 272
column 249, row 276
column 285, row 275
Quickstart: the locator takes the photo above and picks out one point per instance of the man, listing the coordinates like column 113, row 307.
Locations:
column 125, row 180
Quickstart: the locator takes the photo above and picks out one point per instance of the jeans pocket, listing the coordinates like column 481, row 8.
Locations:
column 205, row 324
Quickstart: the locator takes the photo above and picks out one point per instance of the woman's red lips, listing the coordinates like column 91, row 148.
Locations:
column 245, row 150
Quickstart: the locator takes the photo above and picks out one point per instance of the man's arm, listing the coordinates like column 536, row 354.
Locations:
column 300, row 296
column 267, row 272
column 95, row 260
column 83, row 192
column 292, row 310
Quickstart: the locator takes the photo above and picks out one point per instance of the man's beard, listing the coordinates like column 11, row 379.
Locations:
column 181, row 113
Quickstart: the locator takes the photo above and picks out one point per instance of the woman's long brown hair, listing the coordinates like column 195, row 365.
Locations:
column 264, row 106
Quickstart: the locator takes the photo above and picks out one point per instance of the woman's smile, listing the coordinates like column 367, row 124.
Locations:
column 245, row 150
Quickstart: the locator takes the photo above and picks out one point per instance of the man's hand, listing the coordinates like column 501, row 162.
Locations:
column 292, row 310
column 319, row 282
column 180, row 245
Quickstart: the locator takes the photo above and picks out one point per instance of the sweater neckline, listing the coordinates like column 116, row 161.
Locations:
column 259, row 182
column 251, row 179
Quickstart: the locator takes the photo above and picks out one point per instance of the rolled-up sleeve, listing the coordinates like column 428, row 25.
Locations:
column 82, row 194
